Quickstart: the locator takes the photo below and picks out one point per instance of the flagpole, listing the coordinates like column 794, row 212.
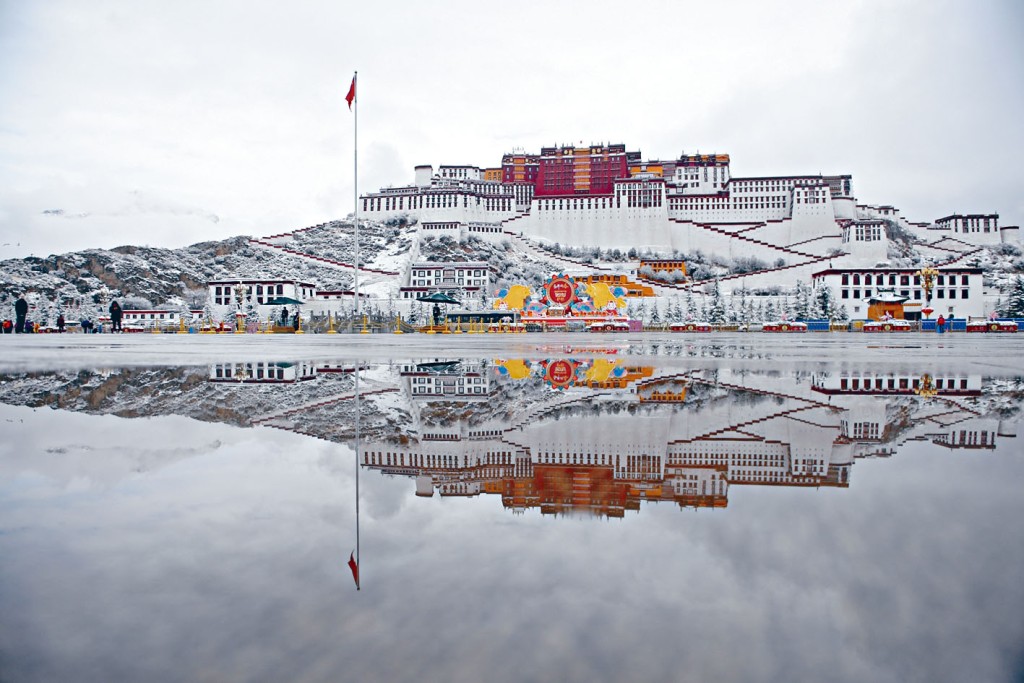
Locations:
column 355, row 182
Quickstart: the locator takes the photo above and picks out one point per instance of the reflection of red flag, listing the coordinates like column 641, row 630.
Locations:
column 351, row 96
column 354, row 567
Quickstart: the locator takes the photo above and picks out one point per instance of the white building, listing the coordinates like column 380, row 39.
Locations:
column 262, row 372
column 976, row 228
column 238, row 292
column 472, row 277
column 148, row 319
column 956, row 292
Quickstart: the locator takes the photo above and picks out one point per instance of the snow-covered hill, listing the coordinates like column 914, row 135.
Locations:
column 81, row 284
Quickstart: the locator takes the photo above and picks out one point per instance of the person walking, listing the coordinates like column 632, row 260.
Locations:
column 20, row 311
column 115, row 316
column 940, row 325
column 60, row 323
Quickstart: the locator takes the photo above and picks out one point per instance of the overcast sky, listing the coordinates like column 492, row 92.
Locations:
column 144, row 122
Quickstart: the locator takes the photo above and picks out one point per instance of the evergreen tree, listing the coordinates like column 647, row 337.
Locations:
column 655, row 317
column 185, row 312
column 1015, row 298
column 210, row 314
column 717, row 313
column 824, row 305
column 691, row 306
column 252, row 316
column 643, row 313
column 675, row 309
column 742, row 311
column 802, row 304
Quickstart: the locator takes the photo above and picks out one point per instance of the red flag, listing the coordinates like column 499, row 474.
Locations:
column 353, row 566
column 351, row 96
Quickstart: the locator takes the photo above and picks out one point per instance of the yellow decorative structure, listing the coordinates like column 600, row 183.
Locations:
column 515, row 299
column 181, row 328
column 601, row 294
column 398, row 324
column 298, row 323
column 330, row 324
column 926, row 388
column 601, row 369
column 516, row 368
column 365, row 329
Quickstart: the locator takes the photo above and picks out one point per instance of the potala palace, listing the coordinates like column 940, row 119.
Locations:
column 607, row 197
column 807, row 229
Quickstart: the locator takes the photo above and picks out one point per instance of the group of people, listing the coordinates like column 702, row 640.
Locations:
column 284, row 317
column 21, row 324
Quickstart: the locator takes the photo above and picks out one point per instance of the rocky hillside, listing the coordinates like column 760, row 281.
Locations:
column 81, row 284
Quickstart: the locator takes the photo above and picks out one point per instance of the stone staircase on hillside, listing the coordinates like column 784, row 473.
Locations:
column 292, row 233
column 739, row 236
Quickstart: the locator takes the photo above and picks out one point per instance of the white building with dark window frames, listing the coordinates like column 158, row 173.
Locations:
column 148, row 319
column 425, row 277
column 956, row 291
column 978, row 228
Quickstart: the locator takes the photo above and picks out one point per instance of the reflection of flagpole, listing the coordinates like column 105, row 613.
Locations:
column 358, row 587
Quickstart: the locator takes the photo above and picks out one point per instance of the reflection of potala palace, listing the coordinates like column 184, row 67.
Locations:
column 599, row 435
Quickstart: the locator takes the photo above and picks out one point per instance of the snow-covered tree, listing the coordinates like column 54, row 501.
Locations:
column 655, row 317
column 759, row 315
column 211, row 314
column 185, row 313
column 416, row 313
column 252, row 316
column 717, row 310
column 802, row 301
column 675, row 309
column 1014, row 306
column 691, row 306
column 824, row 305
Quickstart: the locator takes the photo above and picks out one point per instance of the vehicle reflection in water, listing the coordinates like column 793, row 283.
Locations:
column 602, row 435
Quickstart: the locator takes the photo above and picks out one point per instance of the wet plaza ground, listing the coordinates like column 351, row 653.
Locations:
column 522, row 508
